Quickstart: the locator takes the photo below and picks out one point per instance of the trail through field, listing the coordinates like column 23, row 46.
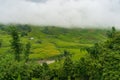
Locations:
column 46, row 61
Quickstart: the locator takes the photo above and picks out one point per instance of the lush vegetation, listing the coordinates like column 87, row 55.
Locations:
column 53, row 53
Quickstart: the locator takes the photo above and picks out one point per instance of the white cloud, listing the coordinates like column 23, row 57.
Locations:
column 61, row 12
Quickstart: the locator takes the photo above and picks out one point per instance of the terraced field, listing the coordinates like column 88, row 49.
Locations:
column 49, row 42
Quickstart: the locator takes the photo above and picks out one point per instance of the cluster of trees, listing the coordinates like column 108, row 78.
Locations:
column 17, row 47
column 24, row 29
column 52, row 30
column 101, row 63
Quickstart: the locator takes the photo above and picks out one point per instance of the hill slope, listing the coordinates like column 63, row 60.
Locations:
column 48, row 42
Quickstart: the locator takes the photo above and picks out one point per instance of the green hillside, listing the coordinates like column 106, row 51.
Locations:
column 30, row 52
column 49, row 42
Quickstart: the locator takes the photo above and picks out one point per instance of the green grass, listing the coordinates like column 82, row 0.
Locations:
column 55, row 41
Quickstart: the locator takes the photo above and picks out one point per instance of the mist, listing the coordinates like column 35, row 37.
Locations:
column 67, row 13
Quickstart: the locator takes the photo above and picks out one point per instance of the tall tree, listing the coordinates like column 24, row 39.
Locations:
column 111, row 33
column 27, row 51
column 68, row 68
column 15, row 43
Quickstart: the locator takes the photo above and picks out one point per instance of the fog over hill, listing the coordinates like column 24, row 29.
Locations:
column 61, row 12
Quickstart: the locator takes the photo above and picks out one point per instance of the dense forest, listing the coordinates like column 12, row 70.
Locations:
column 30, row 52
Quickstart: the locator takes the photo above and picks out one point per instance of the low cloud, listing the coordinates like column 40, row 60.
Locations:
column 66, row 13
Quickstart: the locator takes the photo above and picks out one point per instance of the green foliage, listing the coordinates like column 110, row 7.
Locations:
column 25, row 28
column 37, row 71
column 106, row 65
column 81, row 69
column 47, row 46
column 42, row 72
column 68, row 68
column 95, row 50
column 13, row 70
column 27, row 51
column 1, row 26
column 100, row 62
column 15, row 43
column 24, row 34
column 111, row 33
column 46, row 72
column 19, row 77
column 66, row 53
column 1, row 43
column 111, row 66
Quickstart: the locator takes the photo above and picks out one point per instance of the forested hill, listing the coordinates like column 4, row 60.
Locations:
column 72, row 34
column 78, row 35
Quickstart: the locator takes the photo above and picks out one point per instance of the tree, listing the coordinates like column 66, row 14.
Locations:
column 68, row 68
column 111, row 33
column 37, row 71
column 81, row 69
column 106, row 65
column 25, row 28
column 15, row 43
column 27, row 51
column 110, row 59
column 95, row 50
column 66, row 53
column 10, row 69
column 46, row 30
column 46, row 72
column 111, row 65
column 0, row 43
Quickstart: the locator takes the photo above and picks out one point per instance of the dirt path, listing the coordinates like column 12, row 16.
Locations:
column 46, row 61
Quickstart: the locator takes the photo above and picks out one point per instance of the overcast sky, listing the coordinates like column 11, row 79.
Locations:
column 61, row 12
